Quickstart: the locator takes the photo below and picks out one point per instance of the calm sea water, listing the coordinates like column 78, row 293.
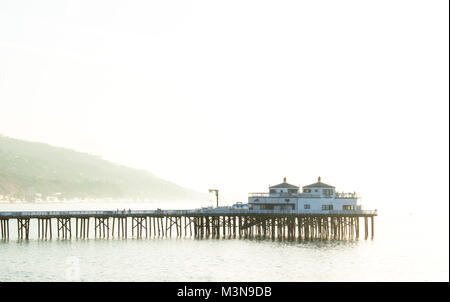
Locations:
column 405, row 248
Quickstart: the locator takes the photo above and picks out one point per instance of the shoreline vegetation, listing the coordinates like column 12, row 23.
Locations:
column 32, row 172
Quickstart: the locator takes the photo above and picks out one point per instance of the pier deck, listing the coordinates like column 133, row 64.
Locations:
column 198, row 223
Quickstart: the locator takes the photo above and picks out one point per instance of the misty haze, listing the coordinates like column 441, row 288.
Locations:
column 310, row 137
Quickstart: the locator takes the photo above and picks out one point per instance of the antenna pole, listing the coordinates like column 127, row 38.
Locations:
column 217, row 196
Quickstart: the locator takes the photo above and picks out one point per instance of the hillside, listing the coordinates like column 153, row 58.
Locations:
column 29, row 170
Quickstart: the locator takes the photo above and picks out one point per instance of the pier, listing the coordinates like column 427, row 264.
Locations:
column 199, row 224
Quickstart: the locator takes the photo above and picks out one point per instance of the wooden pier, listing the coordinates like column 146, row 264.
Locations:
column 211, row 223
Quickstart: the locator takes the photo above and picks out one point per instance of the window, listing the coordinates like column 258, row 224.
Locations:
column 306, row 190
column 327, row 207
column 267, row 207
column 327, row 191
column 307, row 206
column 348, row 207
column 287, row 207
column 273, row 191
column 256, row 200
column 316, row 190
column 292, row 191
column 287, row 200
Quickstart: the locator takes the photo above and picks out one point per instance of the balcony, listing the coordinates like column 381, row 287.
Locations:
column 343, row 195
column 258, row 195
column 265, row 195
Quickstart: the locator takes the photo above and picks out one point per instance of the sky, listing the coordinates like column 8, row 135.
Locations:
column 236, row 95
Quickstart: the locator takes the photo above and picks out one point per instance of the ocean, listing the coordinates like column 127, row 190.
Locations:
column 406, row 247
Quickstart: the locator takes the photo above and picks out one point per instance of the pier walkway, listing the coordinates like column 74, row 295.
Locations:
column 198, row 223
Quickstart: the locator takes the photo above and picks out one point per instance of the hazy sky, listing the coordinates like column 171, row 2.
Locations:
column 236, row 95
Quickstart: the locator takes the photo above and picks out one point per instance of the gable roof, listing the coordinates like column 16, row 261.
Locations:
column 283, row 185
column 318, row 184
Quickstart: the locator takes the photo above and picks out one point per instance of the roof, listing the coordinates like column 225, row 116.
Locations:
column 284, row 185
column 318, row 184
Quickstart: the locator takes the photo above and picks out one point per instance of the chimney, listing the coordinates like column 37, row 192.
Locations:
column 319, row 179
column 284, row 179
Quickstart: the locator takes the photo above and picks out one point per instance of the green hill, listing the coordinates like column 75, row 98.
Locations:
column 29, row 170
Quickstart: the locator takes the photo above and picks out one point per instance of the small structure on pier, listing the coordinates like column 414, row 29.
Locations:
column 315, row 197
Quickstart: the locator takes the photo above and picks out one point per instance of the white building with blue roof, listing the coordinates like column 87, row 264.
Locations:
column 316, row 197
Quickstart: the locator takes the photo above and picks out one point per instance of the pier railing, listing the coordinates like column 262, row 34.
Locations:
column 193, row 212
column 289, row 211
column 256, row 194
column 344, row 195
column 337, row 195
